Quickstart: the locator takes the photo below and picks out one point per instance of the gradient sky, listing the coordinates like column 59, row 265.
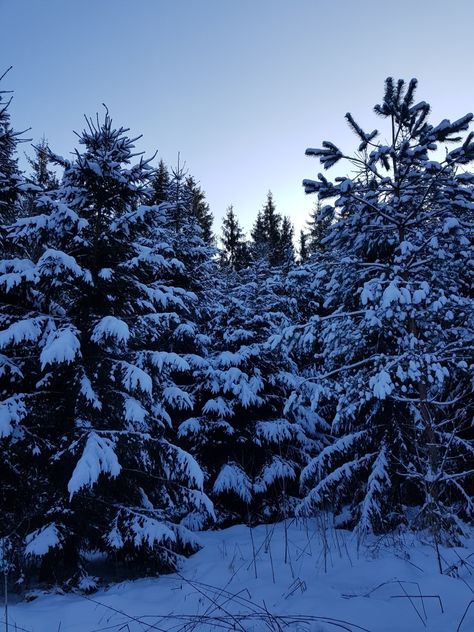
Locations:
column 239, row 87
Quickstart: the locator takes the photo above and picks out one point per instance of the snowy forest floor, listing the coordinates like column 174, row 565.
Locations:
column 299, row 577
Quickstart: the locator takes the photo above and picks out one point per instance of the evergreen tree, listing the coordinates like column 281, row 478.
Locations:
column 317, row 225
column 267, row 235
column 160, row 184
column 251, row 449
column 200, row 210
column 303, row 247
column 11, row 181
column 98, row 337
column 392, row 335
column 286, row 248
column 259, row 244
column 42, row 175
column 179, row 199
column 235, row 249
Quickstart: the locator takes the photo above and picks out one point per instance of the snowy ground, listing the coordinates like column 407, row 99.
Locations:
column 278, row 576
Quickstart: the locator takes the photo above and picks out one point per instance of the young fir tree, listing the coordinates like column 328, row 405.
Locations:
column 286, row 248
column 235, row 251
column 319, row 220
column 250, row 449
column 178, row 200
column 41, row 173
column 200, row 210
column 160, row 184
column 96, row 335
column 266, row 234
column 303, row 247
column 11, row 180
column 393, row 336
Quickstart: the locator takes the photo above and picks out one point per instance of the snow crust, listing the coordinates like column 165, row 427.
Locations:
column 283, row 570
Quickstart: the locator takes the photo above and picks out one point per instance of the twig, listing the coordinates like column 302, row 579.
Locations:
column 464, row 615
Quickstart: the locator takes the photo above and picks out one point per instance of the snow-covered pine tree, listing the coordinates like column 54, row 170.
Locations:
column 266, row 233
column 317, row 224
column 178, row 200
column 200, row 210
column 303, row 247
column 11, row 180
column 92, row 340
column 15, row 489
column 196, row 255
column 188, row 198
column 393, row 339
column 286, row 247
column 251, row 451
column 41, row 173
column 160, row 184
column 272, row 236
column 235, row 251
column 41, row 178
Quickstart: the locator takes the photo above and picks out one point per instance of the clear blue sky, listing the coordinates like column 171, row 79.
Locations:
column 239, row 87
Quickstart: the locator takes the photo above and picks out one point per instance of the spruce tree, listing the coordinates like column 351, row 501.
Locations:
column 303, row 247
column 160, row 184
column 11, row 181
column 259, row 244
column 98, row 338
column 178, row 200
column 393, row 347
column 317, row 225
column 200, row 210
column 267, row 235
column 41, row 174
column 235, row 251
column 286, row 247
column 251, row 449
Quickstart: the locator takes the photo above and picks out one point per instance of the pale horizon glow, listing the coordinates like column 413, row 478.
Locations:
column 239, row 88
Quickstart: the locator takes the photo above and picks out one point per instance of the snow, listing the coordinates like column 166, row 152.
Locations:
column 188, row 464
column 177, row 398
column 150, row 531
column 97, row 458
column 134, row 378
column 381, row 384
column 275, row 431
column 232, row 478
column 305, row 571
column 111, row 327
column 106, row 274
column 89, row 394
column 54, row 263
column 161, row 359
column 61, row 346
column 40, row 541
column 27, row 330
column 12, row 411
column 218, row 406
column 134, row 411
column 277, row 469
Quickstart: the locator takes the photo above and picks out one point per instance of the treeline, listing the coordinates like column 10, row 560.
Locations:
column 153, row 384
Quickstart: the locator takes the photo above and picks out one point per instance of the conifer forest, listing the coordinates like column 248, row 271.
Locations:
column 163, row 377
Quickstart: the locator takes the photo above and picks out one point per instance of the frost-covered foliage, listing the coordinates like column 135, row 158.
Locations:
column 392, row 332
column 99, row 337
column 251, row 449
column 140, row 381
